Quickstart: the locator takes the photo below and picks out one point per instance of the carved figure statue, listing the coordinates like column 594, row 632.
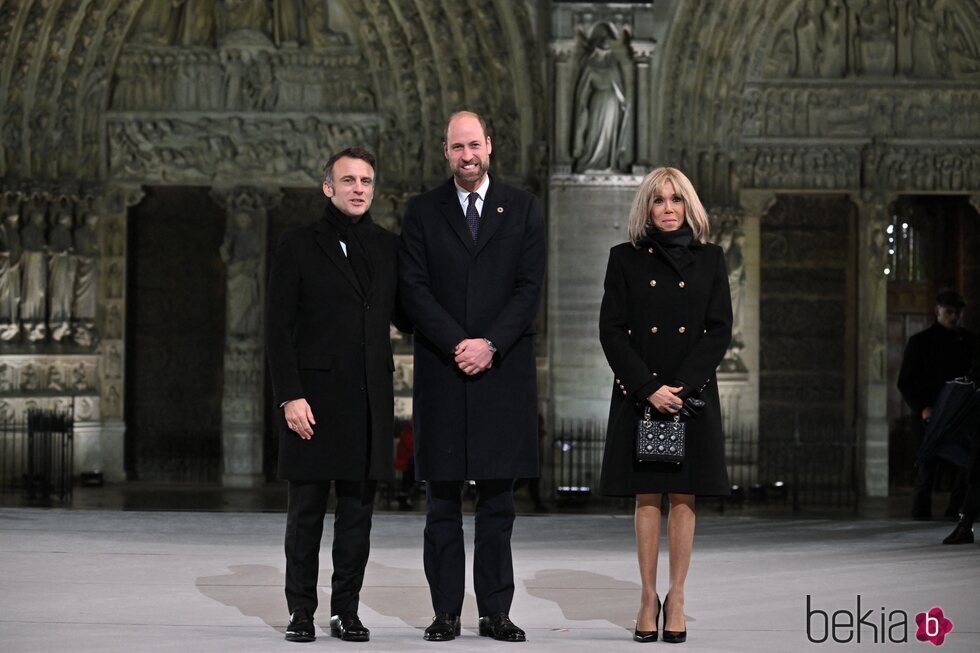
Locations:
column 30, row 379
column 158, row 21
column 874, row 39
column 241, row 252
column 34, row 284
column 830, row 60
column 923, row 29
column 288, row 26
column 318, row 25
column 959, row 45
column 600, row 108
column 235, row 15
column 806, row 43
column 54, row 378
column 61, row 277
column 10, row 253
column 198, row 25
column 86, row 279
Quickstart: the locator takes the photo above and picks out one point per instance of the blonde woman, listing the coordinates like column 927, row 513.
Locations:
column 665, row 324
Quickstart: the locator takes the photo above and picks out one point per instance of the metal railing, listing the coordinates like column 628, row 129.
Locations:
column 817, row 467
column 37, row 455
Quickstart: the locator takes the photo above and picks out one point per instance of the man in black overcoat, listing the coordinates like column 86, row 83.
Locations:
column 471, row 268
column 331, row 299
column 932, row 357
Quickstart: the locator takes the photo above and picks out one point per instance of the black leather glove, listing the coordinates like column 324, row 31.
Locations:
column 692, row 407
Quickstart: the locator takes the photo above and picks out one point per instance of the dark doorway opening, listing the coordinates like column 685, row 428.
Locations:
column 175, row 335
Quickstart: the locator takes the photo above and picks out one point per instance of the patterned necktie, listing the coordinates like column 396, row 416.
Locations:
column 472, row 215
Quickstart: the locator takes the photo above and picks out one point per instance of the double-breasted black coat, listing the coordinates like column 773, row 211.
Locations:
column 328, row 341
column 452, row 288
column 664, row 322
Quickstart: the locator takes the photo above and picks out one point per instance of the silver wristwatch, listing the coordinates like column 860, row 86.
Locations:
column 492, row 347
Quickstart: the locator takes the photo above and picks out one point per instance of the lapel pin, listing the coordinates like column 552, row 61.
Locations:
column 500, row 209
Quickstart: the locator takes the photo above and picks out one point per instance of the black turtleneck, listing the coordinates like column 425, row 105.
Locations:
column 351, row 232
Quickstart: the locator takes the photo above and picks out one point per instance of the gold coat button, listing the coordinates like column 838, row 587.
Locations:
column 624, row 392
column 653, row 329
column 618, row 381
column 629, row 332
column 650, row 250
column 681, row 330
column 653, row 282
column 681, row 284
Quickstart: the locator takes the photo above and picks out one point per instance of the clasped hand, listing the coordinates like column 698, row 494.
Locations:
column 473, row 356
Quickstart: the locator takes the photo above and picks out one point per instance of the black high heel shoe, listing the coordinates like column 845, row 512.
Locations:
column 645, row 636
column 672, row 636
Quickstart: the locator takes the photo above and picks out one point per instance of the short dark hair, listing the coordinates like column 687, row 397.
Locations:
column 352, row 153
column 950, row 299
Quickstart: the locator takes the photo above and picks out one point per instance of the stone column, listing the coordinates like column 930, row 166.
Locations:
column 112, row 291
column 872, row 381
column 642, row 52
column 243, row 398
column 562, row 52
column 738, row 376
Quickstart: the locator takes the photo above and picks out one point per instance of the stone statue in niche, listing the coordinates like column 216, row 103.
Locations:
column 6, row 385
column 318, row 24
column 240, row 15
column 830, row 59
column 198, row 26
column 114, row 363
column 10, row 254
column 805, row 31
column 54, row 378
column 34, row 282
column 731, row 238
column 79, row 377
column 874, row 39
column 30, row 379
column 86, row 280
column 287, row 23
column 113, row 322
column 241, row 252
column 960, row 46
column 61, row 276
column 114, row 239
column 601, row 108
column 158, row 21
column 922, row 28
column 114, row 281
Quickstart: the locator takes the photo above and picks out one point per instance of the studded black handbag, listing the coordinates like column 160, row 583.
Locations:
column 660, row 441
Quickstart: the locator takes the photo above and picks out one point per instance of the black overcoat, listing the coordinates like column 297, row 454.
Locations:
column 664, row 322
column 483, row 426
column 933, row 357
column 329, row 342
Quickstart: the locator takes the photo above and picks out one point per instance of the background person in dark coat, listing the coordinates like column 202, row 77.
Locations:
column 963, row 531
column 471, row 286
column 331, row 299
column 665, row 324
column 932, row 357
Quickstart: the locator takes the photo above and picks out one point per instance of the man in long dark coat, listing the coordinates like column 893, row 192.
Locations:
column 331, row 299
column 932, row 357
column 472, row 264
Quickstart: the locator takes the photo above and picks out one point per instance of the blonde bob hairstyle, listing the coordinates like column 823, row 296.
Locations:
column 650, row 188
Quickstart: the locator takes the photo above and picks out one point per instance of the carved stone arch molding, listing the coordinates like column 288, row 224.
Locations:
column 823, row 95
column 140, row 91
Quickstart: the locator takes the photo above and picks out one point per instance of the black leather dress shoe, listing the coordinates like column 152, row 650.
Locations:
column 348, row 628
column 443, row 628
column 962, row 534
column 300, row 628
column 500, row 627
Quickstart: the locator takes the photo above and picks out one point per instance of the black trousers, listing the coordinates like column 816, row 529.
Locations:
column 925, row 479
column 351, row 542
column 443, row 554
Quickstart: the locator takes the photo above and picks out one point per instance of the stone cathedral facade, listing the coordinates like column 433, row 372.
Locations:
column 151, row 151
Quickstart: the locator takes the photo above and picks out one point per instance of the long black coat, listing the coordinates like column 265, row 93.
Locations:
column 329, row 342
column 483, row 426
column 663, row 322
column 933, row 357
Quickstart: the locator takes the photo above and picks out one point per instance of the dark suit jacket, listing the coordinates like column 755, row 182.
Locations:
column 664, row 322
column 329, row 342
column 933, row 357
column 484, row 426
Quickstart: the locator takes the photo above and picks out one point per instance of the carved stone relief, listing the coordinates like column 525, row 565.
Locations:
column 285, row 150
column 727, row 232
